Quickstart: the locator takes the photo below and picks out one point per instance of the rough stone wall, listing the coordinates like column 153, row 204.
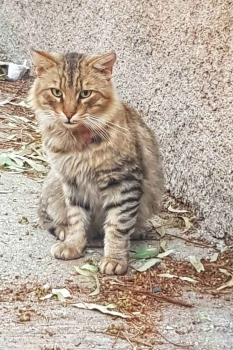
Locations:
column 174, row 65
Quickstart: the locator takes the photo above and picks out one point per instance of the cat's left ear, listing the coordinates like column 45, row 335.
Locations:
column 42, row 61
column 104, row 63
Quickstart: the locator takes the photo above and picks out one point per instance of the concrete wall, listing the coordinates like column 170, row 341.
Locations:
column 174, row 64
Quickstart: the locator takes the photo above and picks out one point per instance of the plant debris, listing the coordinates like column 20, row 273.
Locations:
column 90, row 271
column 101, row 308
column 196, row 262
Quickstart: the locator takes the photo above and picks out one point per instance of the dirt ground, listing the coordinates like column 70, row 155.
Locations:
column 157, row 321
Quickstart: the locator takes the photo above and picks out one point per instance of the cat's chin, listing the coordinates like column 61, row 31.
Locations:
column 70, row 125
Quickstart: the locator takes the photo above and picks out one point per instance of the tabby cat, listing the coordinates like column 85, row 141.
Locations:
column 105, row 168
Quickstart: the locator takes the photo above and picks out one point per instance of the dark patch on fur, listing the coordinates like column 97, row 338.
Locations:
column 72, row 60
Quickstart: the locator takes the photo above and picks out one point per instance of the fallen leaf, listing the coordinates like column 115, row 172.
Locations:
column 187, row 222
column 47, row 296
column 34, row 165
column 90, row 267
column 143, row 265
column 166, row 253
column 86, row 272
column 214, row 257
column 6, row 161
column 188, row 279
column 195, row 261
column 167, row 275
column 227, row 273
column 163, row 245
column 20, row 104
column 173, row 210
column 145, row 253
column 101, row 308
column 23, row 220
column 229, row 284
column 161, row 231
column 62, row 294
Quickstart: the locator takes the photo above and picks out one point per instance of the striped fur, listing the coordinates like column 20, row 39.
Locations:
column 105, row 168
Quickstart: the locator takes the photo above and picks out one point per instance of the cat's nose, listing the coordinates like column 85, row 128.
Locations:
column 69, row 114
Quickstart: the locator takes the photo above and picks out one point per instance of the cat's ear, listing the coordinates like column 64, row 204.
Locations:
column 104, row 63
column 42, row 61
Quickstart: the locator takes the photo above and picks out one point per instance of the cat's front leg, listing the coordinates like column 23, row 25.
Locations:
column 78, row 217
column 121, row 218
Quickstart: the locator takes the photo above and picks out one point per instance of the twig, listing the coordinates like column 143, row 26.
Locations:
column 115, row 340
column 152, row 295
column 124, row 338
column 175, row 344
column 206, row 245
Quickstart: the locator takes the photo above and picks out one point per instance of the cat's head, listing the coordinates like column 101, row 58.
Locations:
column 72, row 87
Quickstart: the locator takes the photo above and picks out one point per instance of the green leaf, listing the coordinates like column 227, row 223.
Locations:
column 145, row 253
column 6, row 161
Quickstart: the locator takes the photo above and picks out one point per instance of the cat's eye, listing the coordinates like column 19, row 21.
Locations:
column 85, row 93
column 56, row 92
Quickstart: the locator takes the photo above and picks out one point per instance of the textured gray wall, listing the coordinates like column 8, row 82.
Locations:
column 174, row 65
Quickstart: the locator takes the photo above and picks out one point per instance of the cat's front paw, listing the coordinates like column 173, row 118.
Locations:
column 111, row 266
column 66, row 251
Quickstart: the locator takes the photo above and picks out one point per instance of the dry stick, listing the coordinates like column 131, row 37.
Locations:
column 175, row 344
column 115, row 340
column 124, row 338
column 206, row 245
column 163, row 297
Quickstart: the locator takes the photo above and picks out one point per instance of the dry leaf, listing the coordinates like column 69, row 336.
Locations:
column 187, row 222
column 214, row 257
column 166, row 253
column 195, row 261
column 188, row 279
column 163, row 245
column 88, row 273
column 229, row 284
column 227, row 273
column 173, row 210
column 143, row 265
column 101, row 308
column 161, row 231
column 47, row 296
column 167, row 275
column 62, row 294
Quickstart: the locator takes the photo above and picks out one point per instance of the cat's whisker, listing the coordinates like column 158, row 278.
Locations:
column 101, row 132
column 109, row 126
column 97, row 130
column 109, row 123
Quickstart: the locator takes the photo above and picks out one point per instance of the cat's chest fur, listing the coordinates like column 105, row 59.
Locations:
column 79, row 171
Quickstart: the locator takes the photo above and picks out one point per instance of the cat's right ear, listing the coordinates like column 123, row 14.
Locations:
column 42, row 61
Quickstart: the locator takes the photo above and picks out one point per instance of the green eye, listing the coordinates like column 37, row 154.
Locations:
column 85, row 93
column 56, row 92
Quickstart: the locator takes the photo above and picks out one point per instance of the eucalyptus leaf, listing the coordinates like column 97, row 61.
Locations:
column 145, row 265
column 166, row 253
column 86, row 272
column 101, row 308
column 196, row 262
column 173, row 210
column 145, row 253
